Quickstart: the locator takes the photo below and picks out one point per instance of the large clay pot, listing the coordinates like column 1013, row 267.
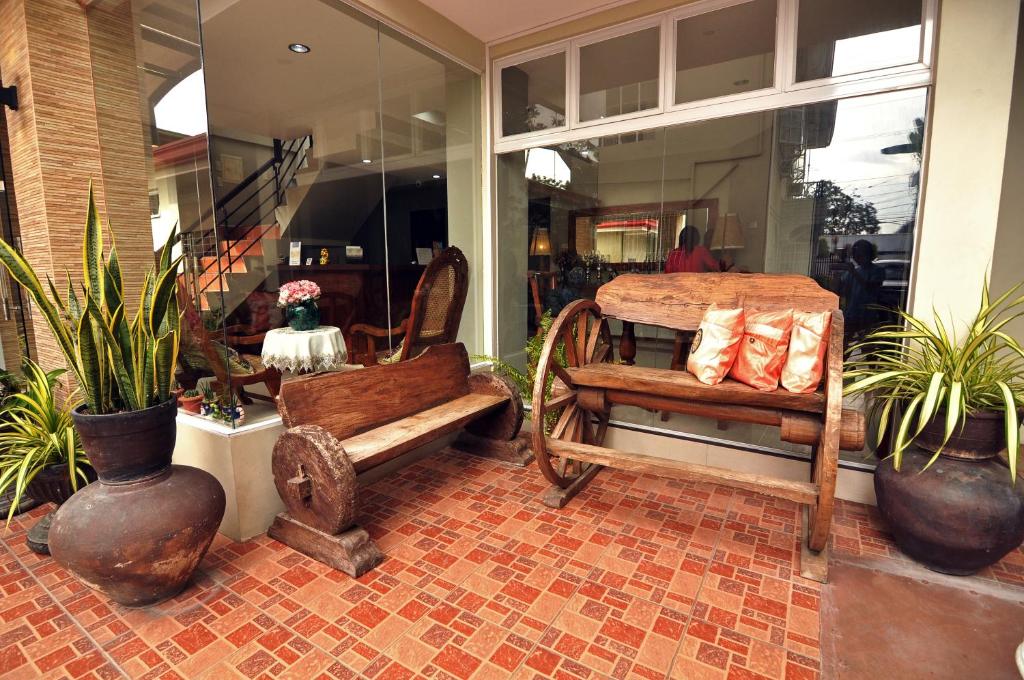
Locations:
column 139, row 534
column 982, row 436
column 52, row 485
column 956, row 517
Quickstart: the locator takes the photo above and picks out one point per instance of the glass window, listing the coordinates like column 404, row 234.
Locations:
column 725, row 52
column 837, row 37
column 620, row 75
column 827, row 190
column 533, row 95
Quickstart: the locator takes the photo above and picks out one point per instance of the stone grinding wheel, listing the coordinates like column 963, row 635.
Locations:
column 311, row 453
column 503, row 424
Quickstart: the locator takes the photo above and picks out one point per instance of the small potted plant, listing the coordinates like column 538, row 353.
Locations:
column 298, row 298
column 40, row 451
column 954, row 403
column 210, row 401
column 190, row 401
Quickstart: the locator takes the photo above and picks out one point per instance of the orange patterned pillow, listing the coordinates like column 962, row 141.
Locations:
column 762, row 352
column 715, row 344
column 806, row 360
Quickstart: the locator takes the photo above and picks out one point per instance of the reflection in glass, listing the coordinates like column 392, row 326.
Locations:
column 724, row 52
column 836, row 38
column 533, row 95
column 13, row 336
column 620, row 75
column 826, row 190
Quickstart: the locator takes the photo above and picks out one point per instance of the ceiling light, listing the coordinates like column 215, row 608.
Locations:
column 367, row 160
column 437, row 176
column 299, row 48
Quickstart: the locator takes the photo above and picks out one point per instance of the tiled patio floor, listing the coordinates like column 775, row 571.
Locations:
column 638, row 577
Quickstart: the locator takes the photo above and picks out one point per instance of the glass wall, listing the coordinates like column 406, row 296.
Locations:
column 14, row 340
column 291, row 141
column 827, row 190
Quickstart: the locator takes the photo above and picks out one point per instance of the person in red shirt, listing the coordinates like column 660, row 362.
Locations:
column 690, row 256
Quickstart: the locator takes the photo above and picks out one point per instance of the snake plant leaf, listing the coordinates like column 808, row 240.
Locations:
column 56, row 298
column 92, row 250
column 88, row 361
column 22, row 272
column 163, row 291
column 112, row 282
column 164, row 351
column 74, row 308
column 1012, row 428
column 125, row 385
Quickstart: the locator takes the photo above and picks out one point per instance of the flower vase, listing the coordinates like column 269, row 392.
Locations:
column 303, row 316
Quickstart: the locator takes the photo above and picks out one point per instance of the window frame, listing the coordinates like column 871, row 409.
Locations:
column 522, row 58
column 785, row 91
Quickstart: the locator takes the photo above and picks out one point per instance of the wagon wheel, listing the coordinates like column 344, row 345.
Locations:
column 580, row 336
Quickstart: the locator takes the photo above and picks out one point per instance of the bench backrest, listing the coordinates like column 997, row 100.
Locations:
column 348, row 403
column 678, row 301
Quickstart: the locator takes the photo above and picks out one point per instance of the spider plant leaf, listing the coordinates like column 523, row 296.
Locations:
column 902, row 439
column 883, row 420
column 954, row 403
column 931, row 400
column 1012, row 429
column 863, row 384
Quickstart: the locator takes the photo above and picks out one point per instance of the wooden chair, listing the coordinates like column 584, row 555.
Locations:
column 341, row 424
column 247, row 370
column 433, row 319
column 540, row 284
column 583, row 394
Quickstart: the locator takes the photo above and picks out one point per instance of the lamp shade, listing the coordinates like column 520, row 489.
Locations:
column 728, row 233
column 541, row 243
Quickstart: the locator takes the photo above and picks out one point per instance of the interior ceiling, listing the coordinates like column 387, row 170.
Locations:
column 491, row 21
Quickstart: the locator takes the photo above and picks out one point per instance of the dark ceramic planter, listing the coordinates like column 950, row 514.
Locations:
column 51, row 485
column 139, row 534
column 957, row 517
column 982, row 436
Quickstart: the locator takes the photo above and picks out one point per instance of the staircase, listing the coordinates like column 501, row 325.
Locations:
column 223, row 266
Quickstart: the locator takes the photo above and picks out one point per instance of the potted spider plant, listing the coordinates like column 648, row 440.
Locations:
column 948, row 491
column 40, row 452
column 139, row 533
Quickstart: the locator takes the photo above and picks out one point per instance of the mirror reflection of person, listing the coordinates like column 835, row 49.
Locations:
column 861, row 287
column 690, row 256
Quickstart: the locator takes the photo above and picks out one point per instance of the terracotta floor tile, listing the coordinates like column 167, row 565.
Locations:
column 637, row 577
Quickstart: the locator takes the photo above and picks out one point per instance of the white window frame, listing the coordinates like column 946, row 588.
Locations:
column 522, row 58
column 607, row 34
column 785, row 91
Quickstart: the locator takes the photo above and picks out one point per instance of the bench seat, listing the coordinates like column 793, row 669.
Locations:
column 683, row 385
column 381, row 444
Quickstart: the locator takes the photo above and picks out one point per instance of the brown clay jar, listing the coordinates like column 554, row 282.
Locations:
column 140, row 532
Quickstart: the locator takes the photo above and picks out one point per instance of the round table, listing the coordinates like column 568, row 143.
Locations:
column 322, row 349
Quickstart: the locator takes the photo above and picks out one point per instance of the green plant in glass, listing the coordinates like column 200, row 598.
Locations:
column 37, row 432
column 121, row 364
column 524, row 381
column 191, row 394
column 918, row 372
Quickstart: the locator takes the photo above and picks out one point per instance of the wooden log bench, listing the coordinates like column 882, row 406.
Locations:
column 343, row 424
column 578, row 397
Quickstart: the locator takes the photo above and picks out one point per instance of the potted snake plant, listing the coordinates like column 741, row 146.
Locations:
column 949, row 488
column 138, row 535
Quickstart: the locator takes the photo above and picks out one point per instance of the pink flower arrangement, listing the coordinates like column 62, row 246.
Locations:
column 294, row 292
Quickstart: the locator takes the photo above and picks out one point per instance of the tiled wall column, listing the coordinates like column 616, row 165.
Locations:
column 56, row 136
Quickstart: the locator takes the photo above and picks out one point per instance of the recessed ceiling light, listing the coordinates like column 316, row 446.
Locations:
column 437, row 176
column 367, row 160
column 299, row 48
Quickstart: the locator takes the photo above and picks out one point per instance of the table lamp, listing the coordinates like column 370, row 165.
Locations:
column 727, row 235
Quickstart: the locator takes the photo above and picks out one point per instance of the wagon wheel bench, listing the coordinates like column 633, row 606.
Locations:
column 343, row 424
column 576, row 399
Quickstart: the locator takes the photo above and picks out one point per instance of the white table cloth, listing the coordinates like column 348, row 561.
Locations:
column 322, row 349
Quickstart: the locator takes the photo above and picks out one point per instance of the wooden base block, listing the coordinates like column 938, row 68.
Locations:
column 351, row 551
column 516, row 451
column 813, row 565
column 557, row 497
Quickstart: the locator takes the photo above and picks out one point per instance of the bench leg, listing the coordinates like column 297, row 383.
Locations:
column 813, row 564
column 557, row 497
column 351, row 551
column 514, row 451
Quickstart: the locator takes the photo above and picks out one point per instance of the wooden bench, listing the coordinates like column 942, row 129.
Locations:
column 342, row 424
column 582, row 394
